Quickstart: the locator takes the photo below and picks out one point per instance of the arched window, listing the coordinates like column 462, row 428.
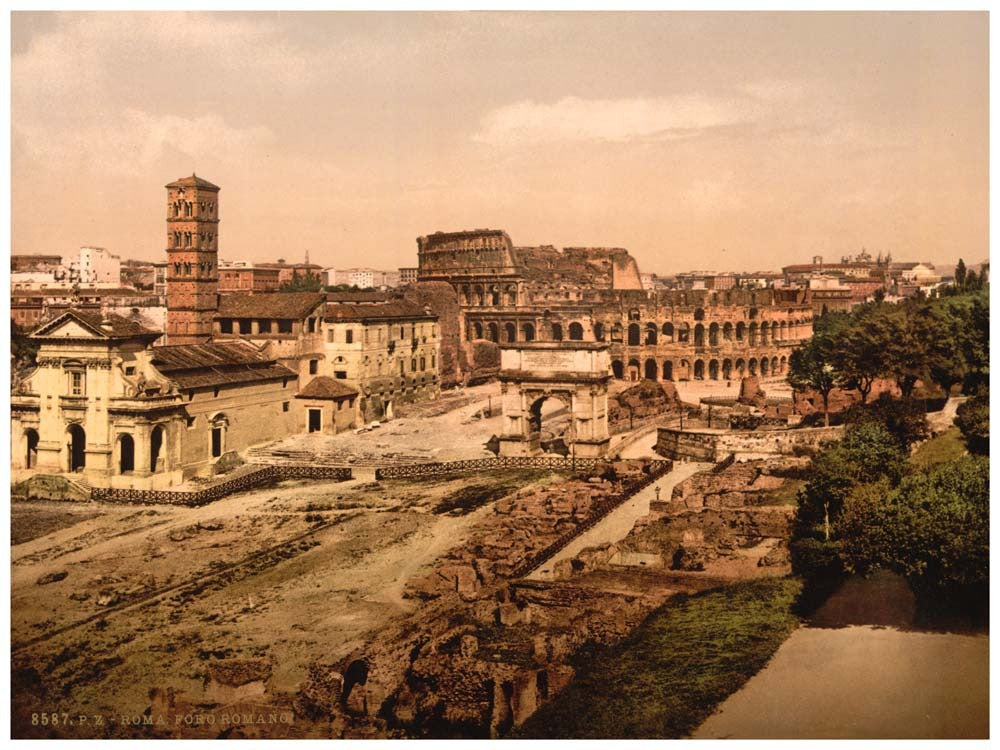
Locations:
column 753, row 334
column 126, row 454
column 727, row 369
column 668, row 332
column 557, row 332
column 699, row 369
column 650, row 369
column 511, row 331
column 494, row 334
column 633, row 370
column 477, row 330
column 699, row 335
column 727, row 331
column 699, row 314
column 575, row 331
column 617, row 369
column 650, row 334
column 713, row 334
column 598, row 332
column 713, row 369
column 31, row 448
column 528, row 331
column 633, row 334
column 668, row 370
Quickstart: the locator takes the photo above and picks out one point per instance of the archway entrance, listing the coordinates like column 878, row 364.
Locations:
column 31, row 454
column 155, row 448
column 126, row 454
column 549, row 424
column 77, row 448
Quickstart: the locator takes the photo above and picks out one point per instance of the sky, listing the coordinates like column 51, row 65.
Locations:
column 710, row 141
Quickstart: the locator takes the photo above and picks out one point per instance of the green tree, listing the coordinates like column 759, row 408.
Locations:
column 905, row 420
column 973, row 419
column 960, row 272
column 905, row 353
column 308, row 282
column 813, row 365
column 859, row 356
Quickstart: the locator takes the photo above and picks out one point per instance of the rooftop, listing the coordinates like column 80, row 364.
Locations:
column 274, row 305
column 201, row 365
column 391, row 309
column 107, row 326
column 323, row 387
column 193, row 181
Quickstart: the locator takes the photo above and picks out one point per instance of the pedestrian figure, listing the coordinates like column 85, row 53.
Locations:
column 657, row 493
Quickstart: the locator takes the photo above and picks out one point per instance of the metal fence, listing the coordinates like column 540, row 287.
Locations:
column 490, row 464
column 261, row 477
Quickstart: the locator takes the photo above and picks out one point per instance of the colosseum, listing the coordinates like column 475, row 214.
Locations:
column 509, row 294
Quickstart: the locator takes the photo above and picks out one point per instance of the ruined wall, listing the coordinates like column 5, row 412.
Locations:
column 810, row 402
column 440, row 297
column 642, row 401
column 705, row 445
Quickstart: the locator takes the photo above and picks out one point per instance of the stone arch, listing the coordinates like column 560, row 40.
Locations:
column 650, row 334
column 575, row 331
column 598, row 332
column 699, row 334
column 510, row 332
column 727, row 369
column 668, row 370
column 713, row 369
column 633, row 334
column 699, row 369
column 494, row 332
column 495, row 295
column 741, row 368
column 31, row 448
column 633, row 370
column 668, row 332
column 741, row 331
column 713, row 334
column 218, row 427
column 765, row 367
column 557, row 332
column 477, row 330
column 528, row 332
column 752, row 337
column 617, row 369
column 512, row 295
column 774, row 366
column 727, row 331
column 764, row 330
column 685, row 370
column 783, row 364
column 650, row 369
column 77, row 448
column 699, row 314
column 683, row 331
column 752, row 366
column 126, row 453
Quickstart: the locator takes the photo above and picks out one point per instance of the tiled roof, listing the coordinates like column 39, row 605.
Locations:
column 271, row 305
column 193, row 181
column 359, row 296
column 201, row 365
column 108, row 326
column 393, row 309
column 323, row 387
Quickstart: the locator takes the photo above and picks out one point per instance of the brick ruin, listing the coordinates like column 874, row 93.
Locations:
column 508, row 294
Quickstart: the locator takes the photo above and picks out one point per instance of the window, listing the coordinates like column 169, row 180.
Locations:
column 130, row 370
column 284, row 326
column 402, row 332
column 350, row 336
column 215, row 392
column 264, row 326
column 285, row 405
column 402, row 367
column 313, row 366
column 329, row 336
column 423, row 364
column 191, row 422
column 413, row 365
column 245, row 326
column 312, row 325
column 226, row 325
column 340, row 375
column 77, row 383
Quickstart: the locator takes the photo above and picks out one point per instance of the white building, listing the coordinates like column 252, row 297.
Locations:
column 363, row 278
column 97, row 265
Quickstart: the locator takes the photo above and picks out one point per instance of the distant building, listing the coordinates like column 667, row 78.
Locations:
column 408, row 275
column 240, row 276
column 36, row 263
column 363, row 278
column 98, row 266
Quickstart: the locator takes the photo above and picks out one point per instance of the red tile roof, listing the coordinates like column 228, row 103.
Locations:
column 193, row 181
column 203, row 365
column 390, row 310
column 325, row 388
column 109, row 326
column 270, row 305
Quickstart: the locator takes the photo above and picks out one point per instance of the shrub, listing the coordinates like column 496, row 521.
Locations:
column 973, row 419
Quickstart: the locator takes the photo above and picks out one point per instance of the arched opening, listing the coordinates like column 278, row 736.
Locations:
column 699, row 335
column 713, row 369
column 493, row 331
column 528, row 330
column 616, row 332
column 549, row 422
column 155, row 448
column 575, row 332
column 77, row 448
column 774, row 365
column 31, row 453
column 753, row 334
column 495, row 296
column 683, row 333
column 741, row 368
column 727, row 332
column 783, row 364
column 764, row 328
column 752, row 366
column 617, row 369
column 651, row 369
column 557, row 332
column 685, row 370
column 633, row 334
column 633, row 370
column 713, row 334
column 512, row 295
column 668, row 370
column 783, row 331
column 510, row 331
column 477, row 330
column 668, row 332
column 463, row 295
column 727, row 369
column 699, row 369
column 126, row 453
column 741, row 331
column 598, row 332
column 650, row 334
column 764, row 366
column 477, row 296
column 774, row 331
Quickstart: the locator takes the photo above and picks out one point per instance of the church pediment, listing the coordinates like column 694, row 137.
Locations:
column 69, row 329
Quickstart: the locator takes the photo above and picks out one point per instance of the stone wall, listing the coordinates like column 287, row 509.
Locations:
column 715, row 445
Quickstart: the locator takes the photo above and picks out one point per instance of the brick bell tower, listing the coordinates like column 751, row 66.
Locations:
column 192, row 259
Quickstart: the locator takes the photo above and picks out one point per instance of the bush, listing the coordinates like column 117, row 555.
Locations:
column 905, row 420
column 973, row 419
column 816, row 560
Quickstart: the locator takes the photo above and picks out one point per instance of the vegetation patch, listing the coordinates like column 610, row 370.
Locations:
column 670, row 674
column 941, row 449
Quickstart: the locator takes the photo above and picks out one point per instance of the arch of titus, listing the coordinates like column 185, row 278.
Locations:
column 575, row 372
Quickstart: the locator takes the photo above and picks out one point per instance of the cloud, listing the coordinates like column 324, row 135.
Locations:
column 576, row 119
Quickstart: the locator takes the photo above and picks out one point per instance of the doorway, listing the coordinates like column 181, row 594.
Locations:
column 315, row 420
column 77, row 448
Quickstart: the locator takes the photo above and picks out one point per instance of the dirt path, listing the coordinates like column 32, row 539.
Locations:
column 880, row 680
column 619, row 522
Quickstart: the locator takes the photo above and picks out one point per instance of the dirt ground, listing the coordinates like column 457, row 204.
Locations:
column 111, row 601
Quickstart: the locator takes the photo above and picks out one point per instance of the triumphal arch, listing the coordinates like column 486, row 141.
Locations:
column 574, row 372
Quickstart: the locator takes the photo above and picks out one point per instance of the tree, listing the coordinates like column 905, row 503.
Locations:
column 308, row 282
column 941, row 327
column 973, row 419
column 867, row 453
column 960, row 273
column 811, row 366
column 905, row 351
column 904, row 420
column 933, row 529
column 859, row 358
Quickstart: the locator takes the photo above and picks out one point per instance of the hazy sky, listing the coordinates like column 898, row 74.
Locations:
column 696, row 140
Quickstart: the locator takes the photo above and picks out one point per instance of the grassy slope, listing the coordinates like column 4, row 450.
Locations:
column 945, row 447
column 669, row 675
